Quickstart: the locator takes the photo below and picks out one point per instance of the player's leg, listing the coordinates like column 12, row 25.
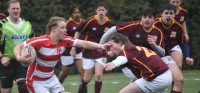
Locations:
column 177, row 78
column 6, row 82
column 99, row 68
column 20, row 79
column 131, row 88
column 158, row 85
column 66, row 62
column 177, row 55
column 88, row 65
column 79, row 64
column 176, row 74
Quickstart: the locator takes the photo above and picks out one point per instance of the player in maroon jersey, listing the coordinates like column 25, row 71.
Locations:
column 138, row 34
column 180, row 17
column 2, row 16
column 68, row 59
column 174, row 38
column 94, row 27
column 152, row 73
column 49, row 49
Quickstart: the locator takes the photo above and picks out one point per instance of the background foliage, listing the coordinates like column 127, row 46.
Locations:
column 38, row 13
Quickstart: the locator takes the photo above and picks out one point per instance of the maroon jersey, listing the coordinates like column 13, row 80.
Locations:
column 138, row 35
column 173, row 34
column 71, row 29
column 94, row 31
column 143, row 62
column 2, row 16
column 181, row 15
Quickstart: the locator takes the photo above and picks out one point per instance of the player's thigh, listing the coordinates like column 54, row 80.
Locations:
column 7, row 80
column 131, row 88
column 99, row 65
column 177, row 54
column 176, row 72
column 159, row 84
column 51, row 85
column 88, row 63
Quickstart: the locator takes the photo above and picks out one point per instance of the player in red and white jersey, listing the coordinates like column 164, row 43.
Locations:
column 153, row 74
column 49, row 48
column 94, row 27
column 67, row 59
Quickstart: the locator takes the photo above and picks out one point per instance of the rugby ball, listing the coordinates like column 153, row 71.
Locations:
column 28, row 50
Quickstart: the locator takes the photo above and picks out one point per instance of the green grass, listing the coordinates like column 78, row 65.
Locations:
column 113, row 82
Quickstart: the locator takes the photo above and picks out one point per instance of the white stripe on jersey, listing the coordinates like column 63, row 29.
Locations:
column 46, row 63
column 51, row 51
column 43, row 74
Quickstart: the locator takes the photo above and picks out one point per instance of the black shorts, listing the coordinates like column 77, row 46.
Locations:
column 12, row 72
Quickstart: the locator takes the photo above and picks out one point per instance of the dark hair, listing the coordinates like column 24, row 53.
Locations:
column 12, row 1
column 148, row 11
column 53, row 22
column 102, row 4
column 75, row 6
column 168, row 6
column 117, row 37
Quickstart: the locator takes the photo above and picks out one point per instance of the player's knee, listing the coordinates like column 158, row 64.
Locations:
column 21, row 84
column 179, row 79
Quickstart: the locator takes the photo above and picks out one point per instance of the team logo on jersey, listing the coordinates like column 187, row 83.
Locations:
column 137, row 36
column 74, row 28
column 18, row 36
column 182, row 18
column 94, row 28
column 173, row 34
column 59, row 50
column 155, row 37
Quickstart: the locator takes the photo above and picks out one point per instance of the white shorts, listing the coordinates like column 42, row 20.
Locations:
column 158, row 85
column 89, row 63
column 168, row 59
column 68, row 60
column 176, row 48
column 49, row 86
column 127, row 72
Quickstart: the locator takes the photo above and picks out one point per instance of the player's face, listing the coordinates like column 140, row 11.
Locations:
column 167, row 16
column 115, row 49
column 147, row 21
column 14, row 10
column 101, row 11
column 175, row 3
column 76, row 15
column 60, row 30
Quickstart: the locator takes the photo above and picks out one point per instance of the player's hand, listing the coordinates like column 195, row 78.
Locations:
column 151, row 40
column 26, row 59
column 109, row 66
column 187, row 38
column 190, row 61
column 5, row 61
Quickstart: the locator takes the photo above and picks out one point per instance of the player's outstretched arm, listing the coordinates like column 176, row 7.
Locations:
column 107, row 34
column 91, row 45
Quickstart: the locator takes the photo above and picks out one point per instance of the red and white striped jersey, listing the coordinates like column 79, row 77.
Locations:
column 48, row 55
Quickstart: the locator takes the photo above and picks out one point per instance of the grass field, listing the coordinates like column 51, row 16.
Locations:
column 113, row 82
